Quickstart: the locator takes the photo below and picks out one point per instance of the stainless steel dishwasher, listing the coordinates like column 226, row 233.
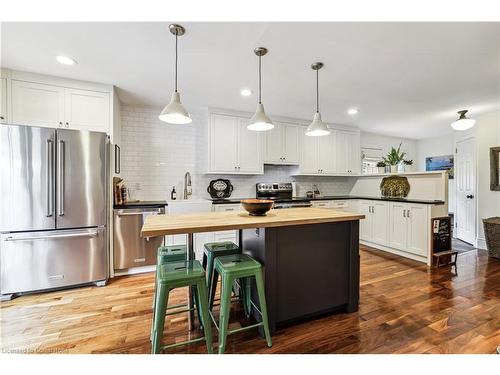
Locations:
column 129, row 248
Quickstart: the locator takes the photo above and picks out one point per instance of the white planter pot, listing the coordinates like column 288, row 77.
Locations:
column 394, row 169
column 381, row 169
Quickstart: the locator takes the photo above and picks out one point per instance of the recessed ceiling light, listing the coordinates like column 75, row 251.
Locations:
column 353, row 111
column 65, row 60
column 246, row 92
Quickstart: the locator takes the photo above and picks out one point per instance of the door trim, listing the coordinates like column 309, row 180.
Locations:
column 458, row 140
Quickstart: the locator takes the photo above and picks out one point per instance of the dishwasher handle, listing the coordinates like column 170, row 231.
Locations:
column 135, row 212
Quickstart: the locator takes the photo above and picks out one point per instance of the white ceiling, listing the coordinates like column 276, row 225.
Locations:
column 407, row 79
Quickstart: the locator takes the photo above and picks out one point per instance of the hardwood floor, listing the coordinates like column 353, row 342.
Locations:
column 404, row 308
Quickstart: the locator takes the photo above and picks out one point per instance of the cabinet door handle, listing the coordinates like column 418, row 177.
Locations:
column 2, row 118
column 404, row 213
column 67, row 124
column 407, row 213
column 60, row 123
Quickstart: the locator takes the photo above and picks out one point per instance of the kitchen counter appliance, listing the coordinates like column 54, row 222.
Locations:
column 54, row 208
column 281, row 193
column 129, row 248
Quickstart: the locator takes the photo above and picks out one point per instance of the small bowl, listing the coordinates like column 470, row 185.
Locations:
column 257, row 207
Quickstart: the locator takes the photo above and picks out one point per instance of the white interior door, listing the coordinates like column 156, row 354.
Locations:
column 3, row 100
column 465, row 191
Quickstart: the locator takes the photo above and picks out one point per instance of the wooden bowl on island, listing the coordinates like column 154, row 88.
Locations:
column 257, row 207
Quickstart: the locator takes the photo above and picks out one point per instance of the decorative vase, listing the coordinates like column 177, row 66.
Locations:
column 394, row 168
column 395, row 187
column 381, row 170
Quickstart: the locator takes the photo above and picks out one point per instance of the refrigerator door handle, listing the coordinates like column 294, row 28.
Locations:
column 50, row 177
column 51, row 236
column 60, row 188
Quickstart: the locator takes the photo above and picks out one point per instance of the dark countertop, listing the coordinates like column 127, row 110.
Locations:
column 338, row 197
column 141, row 204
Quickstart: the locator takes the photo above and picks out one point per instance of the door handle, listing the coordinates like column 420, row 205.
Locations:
column 407, row 213
column 46, row 237
column 404, row 213
column 60, row 190
column 50, row 177
column 470, row 196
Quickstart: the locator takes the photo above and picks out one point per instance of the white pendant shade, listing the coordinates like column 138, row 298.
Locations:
column 174, row 112
column 260, row 121
column 317, row 128
column 463, row 124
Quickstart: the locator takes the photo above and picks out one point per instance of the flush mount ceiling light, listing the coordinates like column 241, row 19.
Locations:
column 260, row 121
column 463, row 122
column 317, row 128
column 65, row 60
column 174, row 112
column 352, row 111
column 246, row 92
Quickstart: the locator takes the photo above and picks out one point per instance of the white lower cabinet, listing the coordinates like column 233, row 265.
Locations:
column 226, row 235
column 409, row 227
column 374, row 227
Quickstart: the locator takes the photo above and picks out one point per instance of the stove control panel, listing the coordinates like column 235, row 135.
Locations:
column 274, row 187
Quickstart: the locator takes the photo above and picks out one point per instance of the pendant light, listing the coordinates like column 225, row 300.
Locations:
column 174, row 112
column 260, row 121
column 317, row 128
column 463, row 122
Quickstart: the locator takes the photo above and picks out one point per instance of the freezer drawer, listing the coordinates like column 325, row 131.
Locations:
column 129, row 248
column 53, row 259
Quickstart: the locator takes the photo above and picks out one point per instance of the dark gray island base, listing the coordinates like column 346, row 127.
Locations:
column 309, row 270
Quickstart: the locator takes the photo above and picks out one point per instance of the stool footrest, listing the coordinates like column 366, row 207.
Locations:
column 187, row 342
column 180, row 311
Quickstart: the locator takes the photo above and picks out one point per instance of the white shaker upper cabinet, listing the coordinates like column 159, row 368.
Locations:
column 87, row 110
column 249, row 149
column 310, row 153
column 37, row 104
column 347, row 152
column 233, row 149
column 223, row 144
column 3, row 100
column 326, row 158
column 282, row 144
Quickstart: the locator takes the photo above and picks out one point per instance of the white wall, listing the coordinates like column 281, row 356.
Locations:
column 486, row 134
column 438, row 146
column 372, row 140
column 155, row 156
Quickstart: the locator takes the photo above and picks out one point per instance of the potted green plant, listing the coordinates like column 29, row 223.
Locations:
column 381, row 167
column 394, row 157
column 407, row 165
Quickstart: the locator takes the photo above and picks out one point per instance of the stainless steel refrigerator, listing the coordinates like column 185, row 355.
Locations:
column 53, row 208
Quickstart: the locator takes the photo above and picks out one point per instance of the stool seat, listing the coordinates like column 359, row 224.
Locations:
column 236, row 263
column 226, row 247
column 173, row 253
column 180, row 271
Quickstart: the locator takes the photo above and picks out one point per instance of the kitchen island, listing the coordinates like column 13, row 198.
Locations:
column 310, row 256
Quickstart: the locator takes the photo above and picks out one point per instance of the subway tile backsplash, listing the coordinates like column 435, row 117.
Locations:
column 156, row 155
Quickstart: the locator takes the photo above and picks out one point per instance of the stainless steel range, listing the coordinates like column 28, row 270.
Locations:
column 281, row 193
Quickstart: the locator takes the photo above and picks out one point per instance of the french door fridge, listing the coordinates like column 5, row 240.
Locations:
column 52, row 208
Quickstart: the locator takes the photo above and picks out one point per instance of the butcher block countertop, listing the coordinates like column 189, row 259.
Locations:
column 160, row 225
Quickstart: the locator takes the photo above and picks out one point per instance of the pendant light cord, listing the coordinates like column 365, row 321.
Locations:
column 260, row 80
column 317, row 90
column 176, row 36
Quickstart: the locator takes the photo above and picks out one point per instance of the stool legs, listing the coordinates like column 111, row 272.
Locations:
column 159, row 318
column 202, row 297
column 225, row 307
column 214, row 277
column 263, row 306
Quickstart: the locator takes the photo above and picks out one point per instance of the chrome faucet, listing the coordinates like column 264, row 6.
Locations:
column 188, row 190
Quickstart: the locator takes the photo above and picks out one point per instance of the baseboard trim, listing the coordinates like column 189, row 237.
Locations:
column 396, row 252
column 481, row 243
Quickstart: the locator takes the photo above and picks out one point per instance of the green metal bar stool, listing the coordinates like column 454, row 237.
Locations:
column 178, row 275
column 169, row 254
column 212, row 251
column 242, row 267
